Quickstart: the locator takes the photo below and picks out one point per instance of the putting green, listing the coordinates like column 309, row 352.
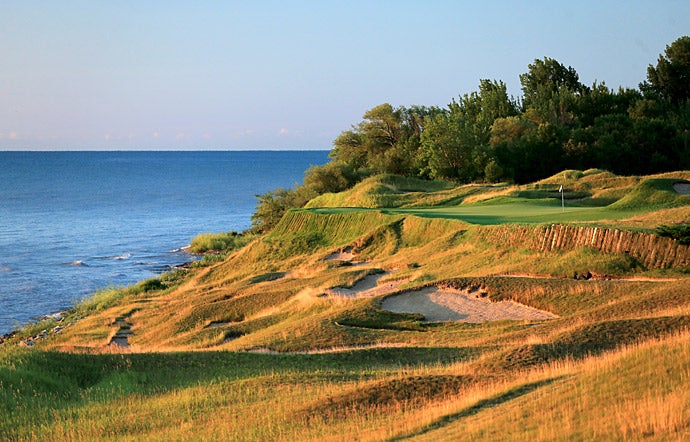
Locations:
column 487, row 214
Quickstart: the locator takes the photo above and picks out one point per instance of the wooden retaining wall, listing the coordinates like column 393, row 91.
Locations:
column 651, row 250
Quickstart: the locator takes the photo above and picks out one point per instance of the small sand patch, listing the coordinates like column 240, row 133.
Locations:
column 340, row 256
column 439, row 305
column 345, row 255
column 367, row 287
column 682, row 188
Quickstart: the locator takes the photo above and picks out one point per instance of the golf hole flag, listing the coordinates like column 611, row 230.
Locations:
column 562, row 198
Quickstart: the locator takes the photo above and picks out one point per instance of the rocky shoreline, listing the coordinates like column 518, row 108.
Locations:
column 29, row 341
column 59, row 317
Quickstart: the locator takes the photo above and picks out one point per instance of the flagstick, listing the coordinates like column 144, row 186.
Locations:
column 562, row 198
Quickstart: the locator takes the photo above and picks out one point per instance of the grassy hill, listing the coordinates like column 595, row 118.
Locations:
column 356, row 319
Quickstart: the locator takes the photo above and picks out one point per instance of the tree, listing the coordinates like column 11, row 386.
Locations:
column 552, row 90
column 494, row 102
column 455, row 144
column 274, row 204
column 387, row 140
column 349, row 149
column 331, row 177
column 545, row 78
column 671, row 75
column 444, row 153
column 270, row 209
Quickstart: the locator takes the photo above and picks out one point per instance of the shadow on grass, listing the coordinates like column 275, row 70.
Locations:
column 493, row 401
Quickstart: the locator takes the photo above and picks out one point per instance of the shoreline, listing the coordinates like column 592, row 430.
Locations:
column 59, row 315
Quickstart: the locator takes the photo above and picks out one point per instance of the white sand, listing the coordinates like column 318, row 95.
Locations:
column 452, row 305
column 366, row 287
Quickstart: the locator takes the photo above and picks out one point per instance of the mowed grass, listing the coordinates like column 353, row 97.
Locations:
column 522, row 211
column 527, row 212
column 589, row 196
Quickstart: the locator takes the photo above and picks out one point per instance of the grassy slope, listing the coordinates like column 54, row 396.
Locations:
column 189, row 374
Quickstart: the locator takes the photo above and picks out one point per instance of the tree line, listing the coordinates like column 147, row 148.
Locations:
column 486, row 135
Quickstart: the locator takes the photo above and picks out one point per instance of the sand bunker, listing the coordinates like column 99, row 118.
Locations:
column 439, row 305
column 342, row 255
column 682, row 188
column 366, row 287
column 346, row 255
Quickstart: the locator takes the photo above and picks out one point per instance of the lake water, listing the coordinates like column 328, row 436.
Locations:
column 75, row 222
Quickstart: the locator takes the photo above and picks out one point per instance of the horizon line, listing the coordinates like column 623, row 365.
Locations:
column 167, row 150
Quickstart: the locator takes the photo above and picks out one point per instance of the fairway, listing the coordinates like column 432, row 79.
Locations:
column 514, row 213
column 491, row 214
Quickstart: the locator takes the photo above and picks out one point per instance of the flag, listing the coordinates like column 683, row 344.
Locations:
column 561, row 189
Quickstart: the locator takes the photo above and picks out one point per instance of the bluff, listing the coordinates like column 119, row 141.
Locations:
column 652, row 251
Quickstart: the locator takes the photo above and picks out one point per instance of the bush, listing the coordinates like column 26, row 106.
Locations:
column 274, row 204
column 679, row 232
column 219, row 242
column 493, row 172
column 149, row 285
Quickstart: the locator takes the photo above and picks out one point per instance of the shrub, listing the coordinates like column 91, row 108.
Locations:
column 679, row 232
column 219, row 242
column 493, row 172
column 149, row 285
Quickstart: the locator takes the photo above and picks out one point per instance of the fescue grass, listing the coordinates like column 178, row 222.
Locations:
column 219, row 242
column 251, row 347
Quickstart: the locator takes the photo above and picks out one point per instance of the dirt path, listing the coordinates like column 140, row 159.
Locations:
column 453, row 305
column 123, row 332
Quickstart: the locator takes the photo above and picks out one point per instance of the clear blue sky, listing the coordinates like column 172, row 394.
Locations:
column 288, row 74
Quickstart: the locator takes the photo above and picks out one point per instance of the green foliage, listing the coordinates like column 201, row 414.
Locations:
column 219, row 242
column 331, row 177
column 100, row 300
column 488, row 136
column 273, row 205
column 209, row 259
column 385, row 141
column 493, row 172
column 455, row 143
column 548, row 78
column 679, row 232
column 149, row 285
column 165, row 281
column 670, row 75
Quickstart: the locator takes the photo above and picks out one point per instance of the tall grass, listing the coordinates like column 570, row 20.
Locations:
column 219, row 242
column 251, row 348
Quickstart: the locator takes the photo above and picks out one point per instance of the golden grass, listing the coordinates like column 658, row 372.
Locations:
column 613, row 366
column 616, row 396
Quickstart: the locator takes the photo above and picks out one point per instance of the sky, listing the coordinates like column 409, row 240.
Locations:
column 288, row 75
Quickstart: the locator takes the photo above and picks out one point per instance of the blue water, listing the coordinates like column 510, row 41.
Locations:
column 75, row 222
